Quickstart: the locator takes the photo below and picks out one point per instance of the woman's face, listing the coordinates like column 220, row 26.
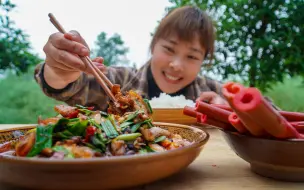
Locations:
column 175, row 63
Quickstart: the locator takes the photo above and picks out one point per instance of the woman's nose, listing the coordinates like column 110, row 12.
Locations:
column 176, row 65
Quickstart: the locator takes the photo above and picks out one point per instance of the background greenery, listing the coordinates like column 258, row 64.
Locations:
column 274, row 64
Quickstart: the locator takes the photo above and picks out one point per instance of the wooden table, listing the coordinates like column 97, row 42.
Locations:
column 217, row 168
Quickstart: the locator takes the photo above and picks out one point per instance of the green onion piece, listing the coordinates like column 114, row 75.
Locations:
column 128, row 137
column 93, row 122
column 160, row 139
column 145, row 150
column 86, row 111
column 133, row 115
column 125, row 124
column 64, row 134
column 80, row 106
column 102, row 113
column 109, row 129
column 101, row 138
column 113, row 121
column 150, row 125
column 93, row 147
column 74, row 120
column 148, row 105
column 135, row 127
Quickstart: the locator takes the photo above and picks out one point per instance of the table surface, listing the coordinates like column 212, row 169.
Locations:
column 217, row 168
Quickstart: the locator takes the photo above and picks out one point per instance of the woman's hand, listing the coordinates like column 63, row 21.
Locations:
column 212, row 98
column 62, row 64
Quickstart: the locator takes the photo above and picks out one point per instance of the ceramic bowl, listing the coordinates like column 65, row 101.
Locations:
column 101, row 173
column 277, row 159
column 172, row 115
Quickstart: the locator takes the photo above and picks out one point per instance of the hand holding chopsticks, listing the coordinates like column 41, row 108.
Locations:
column 100, row 77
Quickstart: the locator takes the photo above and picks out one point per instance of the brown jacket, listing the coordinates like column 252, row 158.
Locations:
column 86, row 90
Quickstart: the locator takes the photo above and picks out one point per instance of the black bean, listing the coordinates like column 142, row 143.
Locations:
column 130, row 146
column 127, row 130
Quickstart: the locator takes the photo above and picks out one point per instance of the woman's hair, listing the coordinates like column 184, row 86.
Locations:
column 186, row 22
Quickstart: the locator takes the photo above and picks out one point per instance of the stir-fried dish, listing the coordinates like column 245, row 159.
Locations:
column 82, row 132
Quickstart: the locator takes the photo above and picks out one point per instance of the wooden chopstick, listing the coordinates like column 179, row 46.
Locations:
column 100, row 77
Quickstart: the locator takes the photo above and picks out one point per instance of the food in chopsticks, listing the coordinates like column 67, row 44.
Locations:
column 127, row 102
column 250, row 114
column 82, row 132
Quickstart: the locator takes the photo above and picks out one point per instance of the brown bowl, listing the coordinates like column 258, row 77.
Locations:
column 277, row 159
column 172, row 115
column 102, row 173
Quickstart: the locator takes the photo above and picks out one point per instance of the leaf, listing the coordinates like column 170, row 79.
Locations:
column 78, row 129
column 98, row 143
column 145, row 150
column 160, row 139
column 61, row 124
column 64, row 134
column 43, row 139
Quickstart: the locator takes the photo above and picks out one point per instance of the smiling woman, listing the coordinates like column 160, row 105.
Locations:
column 175, row 64
column 184, row 38
column 182, row 41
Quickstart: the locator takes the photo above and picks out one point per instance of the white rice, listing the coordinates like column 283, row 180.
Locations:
column 167, row 101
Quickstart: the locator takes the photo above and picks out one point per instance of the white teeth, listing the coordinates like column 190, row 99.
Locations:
column 171, row 77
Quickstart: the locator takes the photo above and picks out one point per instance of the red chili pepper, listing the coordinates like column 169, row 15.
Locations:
column 91, row 108
column 90, row 131
column 73, row 114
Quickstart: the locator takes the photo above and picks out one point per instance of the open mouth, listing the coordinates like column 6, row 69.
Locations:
column 171, row 78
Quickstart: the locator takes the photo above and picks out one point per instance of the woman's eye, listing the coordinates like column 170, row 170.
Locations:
column 192, row 57
column 169, row 49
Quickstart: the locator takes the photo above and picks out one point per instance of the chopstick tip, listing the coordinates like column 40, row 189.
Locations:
column 50, row 15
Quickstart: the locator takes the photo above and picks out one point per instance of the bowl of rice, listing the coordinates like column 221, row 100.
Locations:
column 169, row 109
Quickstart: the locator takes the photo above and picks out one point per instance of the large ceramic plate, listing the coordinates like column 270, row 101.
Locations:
column 101, row 173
